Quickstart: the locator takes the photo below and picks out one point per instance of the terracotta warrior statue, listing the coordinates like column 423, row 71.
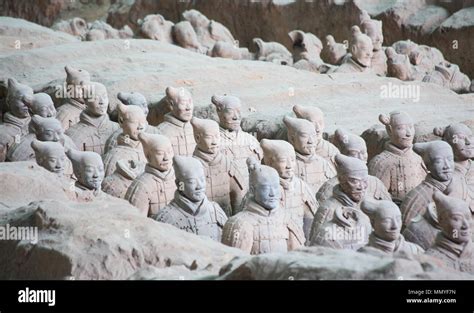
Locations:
column 361, row 49
column 439, row 159
column 273, row 52
column 449, row 76
column 423, row 228
column 311, row 168
column 43, row 129
column 77, row 81
column 224, row 182
column 155, row 187
column 42, row 105
column 373, row 29
column 399, row 66
column 190, row 210
column 50, row 155
column 461, row 140
column 453, row 245
column 236, row 144
column 94, row 126
column 177, row 124
column 126, row 171
column 386, row 221
column 132, row 121
column 129, row 99
column 324, row 148
column 299, row 202
column 398, row 166
column 261, row 227
column 89, row 170
column 334, row 53
column 353, row 146
column 16, row 121
column 353, row 179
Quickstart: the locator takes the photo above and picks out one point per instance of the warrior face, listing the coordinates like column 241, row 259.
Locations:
column 284, row 165
column 183, row 108
column 208, row 140
column 43, row 105
column 441, row 165
column 456, row 225
column 362, row 50
column 54, row 162
column 267, row 193
column 134, row 125
column 194, row 186
column 304, row 141
column 230, row 118
column 354, row 185
column 97, row 105
column 402, row 135
column 463, row 145
column 92, row 174
column 387, row 224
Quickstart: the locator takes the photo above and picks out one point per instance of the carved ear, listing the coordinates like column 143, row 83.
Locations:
column 439, row 131
column 384, row 119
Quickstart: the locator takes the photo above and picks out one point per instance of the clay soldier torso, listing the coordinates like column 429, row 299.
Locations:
column 208, row 220
column 423, row 229
column 328, row 151
column 314, row 170
column 400, row 171
column 152, row 191
column 224, row 183
column 12, row 130
column 299, row 203
column 119, row 181
column 417, row 200
column 350, row 232
column 375, row 189
column 180, row 133
column 398, row 246
column 68, row 113
column 91, row 133
column 457, row 256
column 257, row 230
column 127, row 149
column 238, row 146
column 325, row 211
